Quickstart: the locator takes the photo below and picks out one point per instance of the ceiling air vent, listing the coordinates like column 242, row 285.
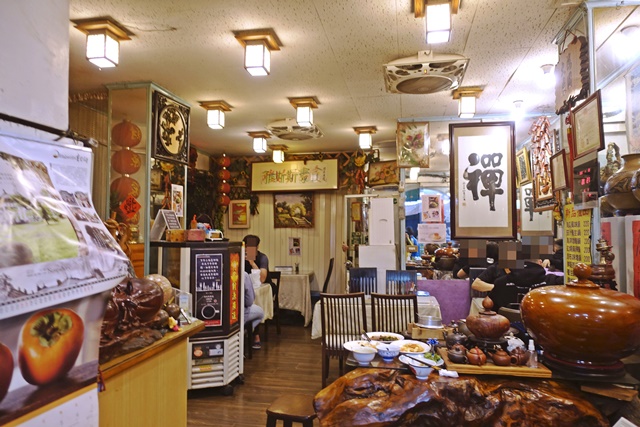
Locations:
column 425, row 73
column 289, row 130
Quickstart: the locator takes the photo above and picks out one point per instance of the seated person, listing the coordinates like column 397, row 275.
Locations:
column 252, row 313
column 257, row 260
column 556, row 262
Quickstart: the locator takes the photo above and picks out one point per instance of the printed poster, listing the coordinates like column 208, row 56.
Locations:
column 577, row 232
column 432, row 209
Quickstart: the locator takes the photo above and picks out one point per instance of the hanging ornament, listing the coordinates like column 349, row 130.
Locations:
column 126, row 134
column 125, row 161
column 223, row 186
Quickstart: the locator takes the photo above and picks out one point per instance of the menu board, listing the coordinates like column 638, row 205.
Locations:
column 209, row 290
column 577, row 230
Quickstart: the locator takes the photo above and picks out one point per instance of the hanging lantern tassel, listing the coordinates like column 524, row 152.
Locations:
column 223, row 187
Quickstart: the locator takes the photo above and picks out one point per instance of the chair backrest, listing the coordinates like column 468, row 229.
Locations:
column 474, row 272
column 401, row 282
column 343, row 319
column 326, row 279
column 393, row 313
column 273, row 278
column 510, row 313
column 364, row 279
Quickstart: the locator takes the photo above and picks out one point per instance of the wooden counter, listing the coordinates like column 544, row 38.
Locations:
column 148, row 385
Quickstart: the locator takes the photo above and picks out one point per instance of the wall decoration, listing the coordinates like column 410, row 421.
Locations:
column 483, row 180
column 294, row 247
column 523, row 167
column 632, row 83
column 177, row 199
column 412, row 143
column 585, row 185
column 533, row 223
column 293, row 210
column 541, row 151
column 559, row 171
column 572, row 74
column 239, row 213
column 577, row 244
column 170, row 129
column 383, row 173
column 295, row 175
column 586, row 126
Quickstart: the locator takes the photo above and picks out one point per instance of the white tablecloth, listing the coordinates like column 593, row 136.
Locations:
column 295, row 294
column 427, row 306
column 264, row 299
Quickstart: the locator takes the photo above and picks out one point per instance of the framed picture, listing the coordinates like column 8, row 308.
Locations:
column 632, row 87
column 523, row 167
column 170, row 129
column 239, row 213
column 483, row 180
column 177, row 199
column 383, row 173
column 295, row 175
column 533, row 223
column 559, row 171
column 412, row 143
column 587, row 130
column 293, row 210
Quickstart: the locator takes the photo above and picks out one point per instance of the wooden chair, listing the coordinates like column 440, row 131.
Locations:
column 363, row 279
column 393, row 313
column 400, row 282
column 343, row 319
column 273, row 279
column 315, row 295
column 291, row 409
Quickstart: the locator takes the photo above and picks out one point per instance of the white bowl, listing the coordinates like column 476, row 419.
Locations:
column 385, row 336
column 363, row 351
column 388, row 351
column 420, row 370
column 413, row 347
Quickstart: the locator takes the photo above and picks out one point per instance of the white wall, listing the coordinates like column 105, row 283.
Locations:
column 34, row 63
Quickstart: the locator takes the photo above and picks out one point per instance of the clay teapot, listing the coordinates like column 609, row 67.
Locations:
column 475, row 356
column 457, row 353
column 455, row 336
column 519, row 356
column 500, row 357
column 488, row 324
column 431, row 248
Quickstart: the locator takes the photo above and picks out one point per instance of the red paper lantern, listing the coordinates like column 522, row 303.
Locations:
column 224, row 174
column 125, row 161
column 126, row 134
column 123, row 186
column 224, row 161
column 224, row 187
column 224, row 200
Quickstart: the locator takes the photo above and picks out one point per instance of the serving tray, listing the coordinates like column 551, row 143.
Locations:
column 490, row 369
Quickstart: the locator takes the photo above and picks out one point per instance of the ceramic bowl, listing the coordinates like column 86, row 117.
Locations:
column 419, row 369
column 413, row 347
column 363, row 351
column 388, row 351
column 386, row 337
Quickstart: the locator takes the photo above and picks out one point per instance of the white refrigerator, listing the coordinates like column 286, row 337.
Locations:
column 383, row 257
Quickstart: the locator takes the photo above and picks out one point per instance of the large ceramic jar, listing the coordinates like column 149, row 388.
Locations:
column 581, row 326
column 618, row 187
column 488, row 324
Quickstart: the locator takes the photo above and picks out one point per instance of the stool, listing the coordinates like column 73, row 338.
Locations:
column 290, row 409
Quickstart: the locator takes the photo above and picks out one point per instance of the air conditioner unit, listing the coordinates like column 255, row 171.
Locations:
column 289, row 130
column 425, row 73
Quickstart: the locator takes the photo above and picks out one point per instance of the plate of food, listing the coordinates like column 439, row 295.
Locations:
column 413, row 347
column 385, row 337
column 358, row 345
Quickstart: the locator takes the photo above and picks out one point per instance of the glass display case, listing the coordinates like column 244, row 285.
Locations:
column 148, row 146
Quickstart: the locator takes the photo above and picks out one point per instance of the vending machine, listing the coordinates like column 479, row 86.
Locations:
column 211, row 273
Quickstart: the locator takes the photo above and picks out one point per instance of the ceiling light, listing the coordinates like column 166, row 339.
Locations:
column 278, row 153
column 548, row 79
column 626, row 44
column 466, row 97
column 364, row 136
column 258, row 45
column 304, row 109
column 413, row 174
column 259, row 141
column 215, row 113
column 517, row 112
column 103, row 40
column 438, row 22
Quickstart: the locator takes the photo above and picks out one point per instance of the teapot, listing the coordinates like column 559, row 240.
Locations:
column 501, row 357
column 455, row 336
column 488, row 324
column 475, row 356
column 457, row 353
column 519, row 356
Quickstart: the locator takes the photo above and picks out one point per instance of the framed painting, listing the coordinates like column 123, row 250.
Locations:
column 523, row 167
column 293, row 210
column 483, row 180
column 559, row 171
column 541, row 151
column 587, row 129
column 632, row 87
column 170, row 129
column 533, row 223
column 239, row 213
column 383, row 173
column 295, row 175
column 412, row 143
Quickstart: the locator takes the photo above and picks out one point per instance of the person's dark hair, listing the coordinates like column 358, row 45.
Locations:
column 492, row 252
column 410, row 231
column 251, row 237
column 558, row 242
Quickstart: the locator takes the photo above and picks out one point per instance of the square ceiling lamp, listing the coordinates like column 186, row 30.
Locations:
column 364, row 136
column 260, row 141
column 466, row 97
column 215, row 113
column 103, row 40
column 278, row 152
column 304, row 109
column 437, row 14
column 258, row 45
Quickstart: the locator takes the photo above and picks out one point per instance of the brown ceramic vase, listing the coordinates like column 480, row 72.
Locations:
column 488, row 324
column 618, row 188
column 581, row 326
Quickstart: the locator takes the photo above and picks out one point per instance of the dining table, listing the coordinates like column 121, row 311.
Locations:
column 264, row 299
column 295, row 293
column 427, row 306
